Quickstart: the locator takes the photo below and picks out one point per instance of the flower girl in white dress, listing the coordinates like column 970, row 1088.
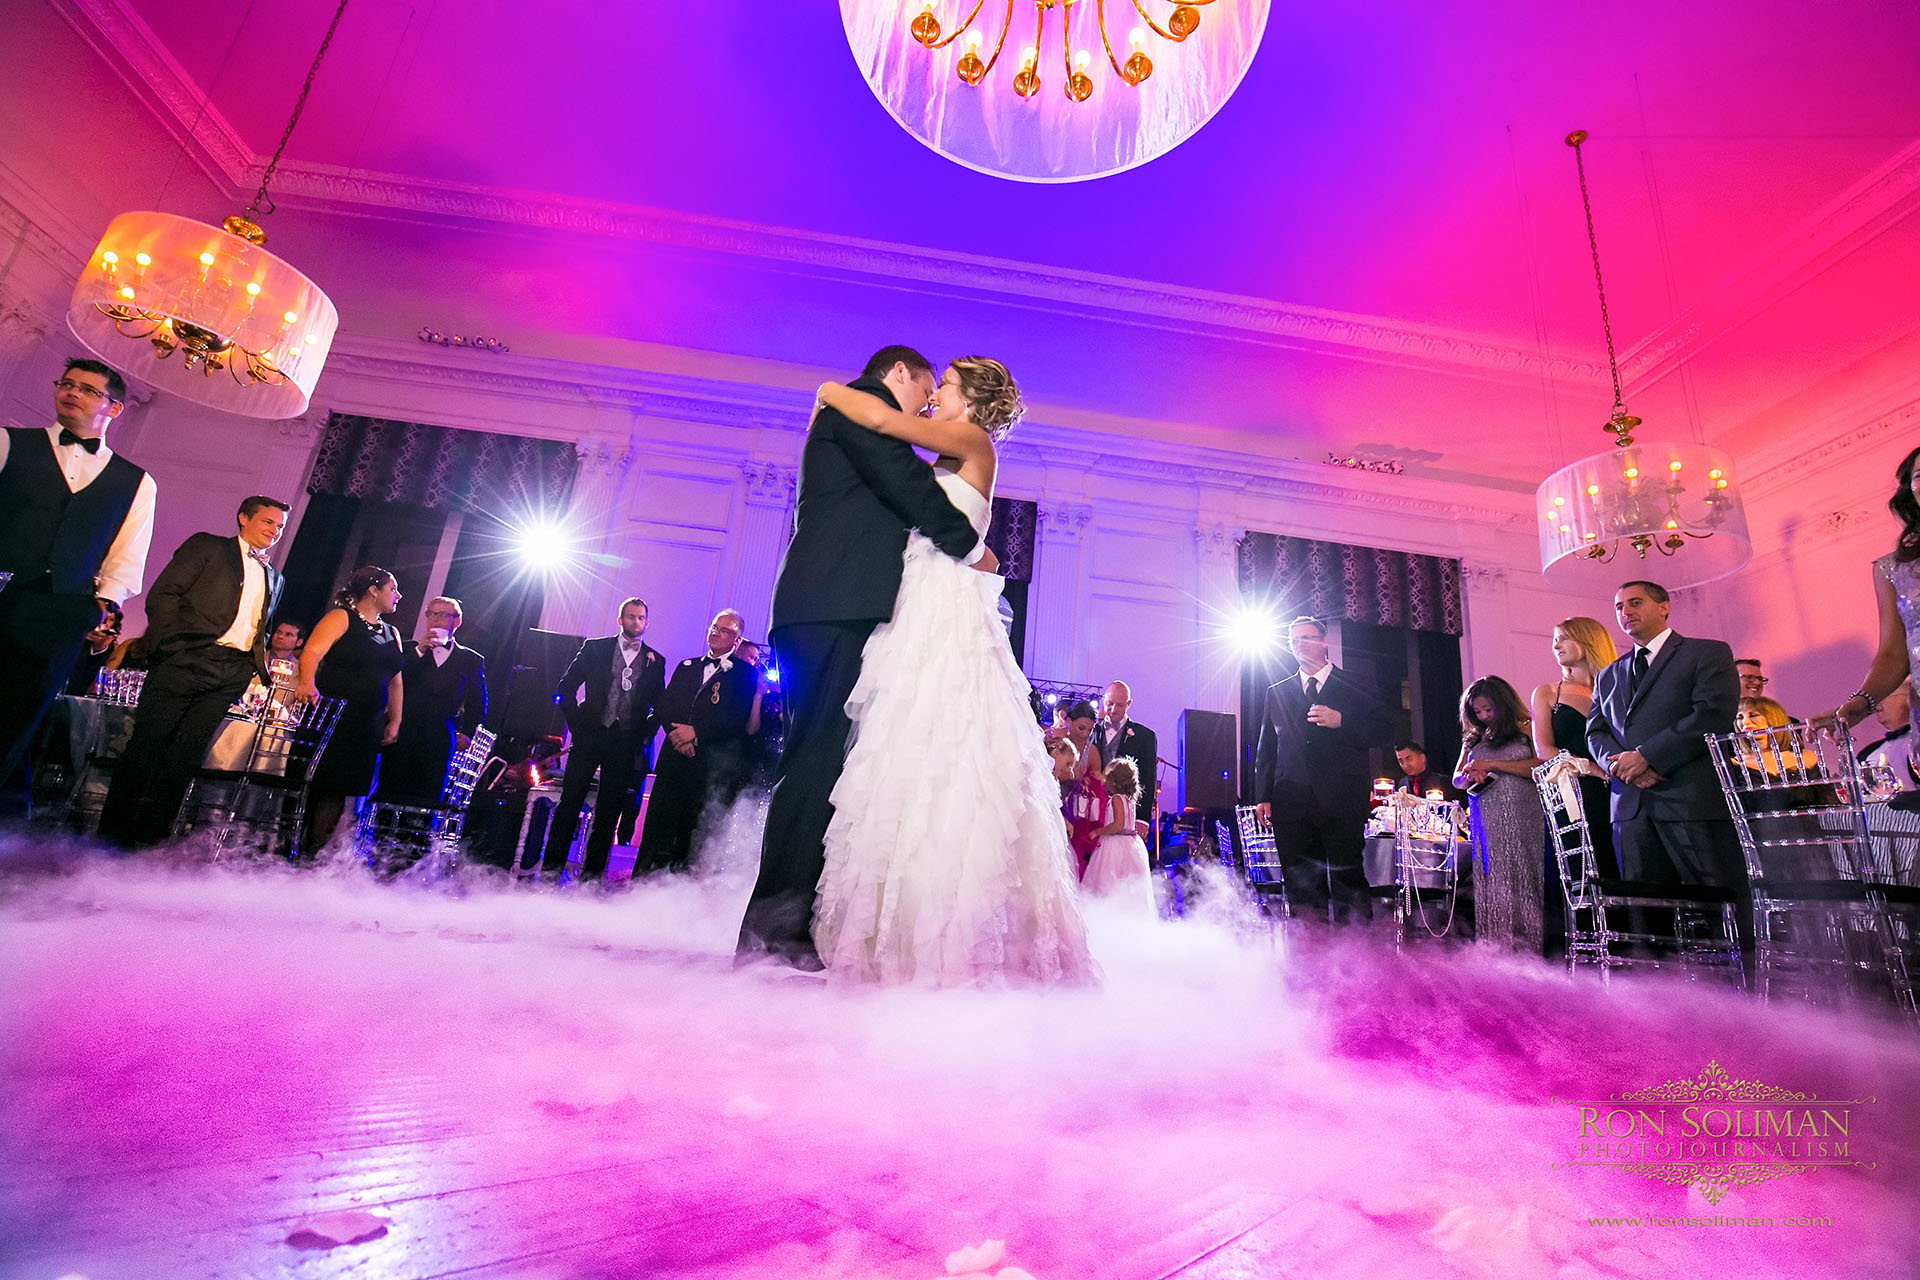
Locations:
column 1119, row 868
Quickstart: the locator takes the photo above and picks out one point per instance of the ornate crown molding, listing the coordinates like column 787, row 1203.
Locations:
column 1857, row 215
column 128, row 45
column 1775, row 473
column 163, row 86
column 1155, row 306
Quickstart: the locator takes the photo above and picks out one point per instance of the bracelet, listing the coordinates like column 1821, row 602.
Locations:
column 1873, row 703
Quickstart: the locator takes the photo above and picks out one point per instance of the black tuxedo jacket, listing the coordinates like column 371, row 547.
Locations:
column 717, row 709
column 443, row 698
column 1690, row 690
column 193, row 601
column 592, row 670
column 1138, row 744
column 860, row 494
column 1303, row 767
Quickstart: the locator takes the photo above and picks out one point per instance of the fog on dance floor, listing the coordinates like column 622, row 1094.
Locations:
column 192, row 1055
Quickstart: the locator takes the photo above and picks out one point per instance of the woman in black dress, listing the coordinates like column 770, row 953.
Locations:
column 1581, row 647
column 352, row 654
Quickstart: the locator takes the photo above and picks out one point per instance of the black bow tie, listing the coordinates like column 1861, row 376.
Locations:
column 90, row 443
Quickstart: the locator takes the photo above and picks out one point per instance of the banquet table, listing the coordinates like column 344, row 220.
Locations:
column 95, row 732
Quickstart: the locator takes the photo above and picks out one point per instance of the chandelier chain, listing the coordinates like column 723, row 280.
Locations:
column 300, row 104
column 1600, row 285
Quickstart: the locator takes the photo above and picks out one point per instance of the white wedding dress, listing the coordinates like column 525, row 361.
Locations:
column 947, row 859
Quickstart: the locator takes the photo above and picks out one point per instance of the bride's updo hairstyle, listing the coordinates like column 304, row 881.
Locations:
column 992, row 395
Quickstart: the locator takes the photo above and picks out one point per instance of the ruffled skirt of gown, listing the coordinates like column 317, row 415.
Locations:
column 946, row 859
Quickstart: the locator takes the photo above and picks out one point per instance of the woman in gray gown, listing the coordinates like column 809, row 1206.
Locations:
column 1509, row 830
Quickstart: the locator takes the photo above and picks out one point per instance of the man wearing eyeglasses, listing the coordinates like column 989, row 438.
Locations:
column 445, row 694
column 705, row 710
column 76, row 519
column 609, row 696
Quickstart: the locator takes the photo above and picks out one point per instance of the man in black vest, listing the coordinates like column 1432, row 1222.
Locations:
column 445, row 685
column 76, row 519
column 705, row 713
column 608, row 696
column 207, row 637
column 1119, row 736
column 1312, row 779
column 860, row 494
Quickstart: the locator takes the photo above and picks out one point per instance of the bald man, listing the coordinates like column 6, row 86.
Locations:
column 705, row 711
column 1117, row 735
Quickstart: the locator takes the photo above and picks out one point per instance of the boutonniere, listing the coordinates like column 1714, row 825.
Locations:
column 726, row 664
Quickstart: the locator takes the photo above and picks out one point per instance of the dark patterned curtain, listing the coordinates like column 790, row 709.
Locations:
column 1010, row 537
column 1356, row 584
column 443, row 468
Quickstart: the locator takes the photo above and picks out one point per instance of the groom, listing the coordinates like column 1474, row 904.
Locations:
column 860, row 494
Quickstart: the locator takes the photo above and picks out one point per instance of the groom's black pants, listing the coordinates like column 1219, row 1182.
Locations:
column 819, row 663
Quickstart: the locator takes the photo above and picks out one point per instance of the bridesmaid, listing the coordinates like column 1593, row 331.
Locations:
column 353, row 654
column 1582, row 648
column 1509, row 830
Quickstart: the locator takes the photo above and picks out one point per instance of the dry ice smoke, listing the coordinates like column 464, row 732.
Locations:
column 194, row 1059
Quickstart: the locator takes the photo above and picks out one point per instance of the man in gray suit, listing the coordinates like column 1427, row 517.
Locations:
column 1652, row 710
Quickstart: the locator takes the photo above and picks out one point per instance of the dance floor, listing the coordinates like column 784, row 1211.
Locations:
column 198, row 1062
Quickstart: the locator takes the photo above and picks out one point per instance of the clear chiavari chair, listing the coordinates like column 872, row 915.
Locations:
column 1614, row 923
column 424, row 839
column 1826, row 913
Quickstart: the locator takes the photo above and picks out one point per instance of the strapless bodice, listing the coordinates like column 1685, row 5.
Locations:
column 969, row 501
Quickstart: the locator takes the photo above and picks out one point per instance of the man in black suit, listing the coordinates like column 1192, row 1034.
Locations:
column 445, row 687
column 207, row 634
column 1312, row 778
column 860, row 494
column 608, row 696
column 1417, row 778
column 1119, row 736
column 76, row 519
column 705, row 712
column 1651, row 711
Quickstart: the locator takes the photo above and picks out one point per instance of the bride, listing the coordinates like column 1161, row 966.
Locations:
column 946, row 859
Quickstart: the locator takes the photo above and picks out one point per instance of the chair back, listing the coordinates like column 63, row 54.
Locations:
column 1425, row 836
column 1558, row 782
column 1258, row 856
column 290, row 745
column 1795, row 799
column 463, row 771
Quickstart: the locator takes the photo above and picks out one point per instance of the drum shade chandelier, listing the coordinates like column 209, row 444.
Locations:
column 224, row 323
column 1680, row 501
column 1053, row 90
